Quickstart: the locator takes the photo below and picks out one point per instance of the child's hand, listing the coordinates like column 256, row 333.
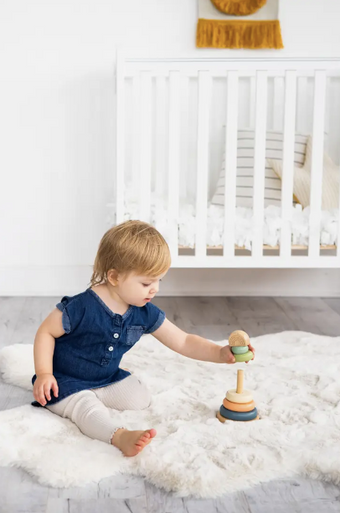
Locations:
column 250, row 347
column 226, row 355
column 42, row 388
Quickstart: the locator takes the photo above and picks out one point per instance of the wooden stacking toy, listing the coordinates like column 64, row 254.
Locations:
column 239, row 342
column 238, row 404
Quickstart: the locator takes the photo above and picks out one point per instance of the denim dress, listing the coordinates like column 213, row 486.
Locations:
column 95, row 339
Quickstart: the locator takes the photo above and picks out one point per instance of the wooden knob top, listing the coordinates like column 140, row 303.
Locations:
column 239, row 338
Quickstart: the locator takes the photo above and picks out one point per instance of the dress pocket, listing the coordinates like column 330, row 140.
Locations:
column 133, row 334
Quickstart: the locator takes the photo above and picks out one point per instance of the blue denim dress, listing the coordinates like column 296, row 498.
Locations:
column 89, row 353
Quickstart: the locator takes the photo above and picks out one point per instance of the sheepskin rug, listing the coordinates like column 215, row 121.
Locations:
column 295, row 380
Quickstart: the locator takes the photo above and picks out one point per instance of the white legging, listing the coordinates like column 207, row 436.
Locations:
column 90, row 409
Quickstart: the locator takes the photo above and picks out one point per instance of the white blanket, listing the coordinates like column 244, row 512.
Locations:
column 296, row 388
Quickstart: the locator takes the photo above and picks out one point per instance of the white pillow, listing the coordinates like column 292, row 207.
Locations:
column 302, row 179
column 245, row 168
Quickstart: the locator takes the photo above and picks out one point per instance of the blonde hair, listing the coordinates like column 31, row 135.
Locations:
column 132, row 246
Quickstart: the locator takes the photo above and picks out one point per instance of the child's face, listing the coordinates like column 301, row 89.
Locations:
column 138, row 290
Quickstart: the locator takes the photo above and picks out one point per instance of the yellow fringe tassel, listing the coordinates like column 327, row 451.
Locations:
column 239, row 7
column 238, row 34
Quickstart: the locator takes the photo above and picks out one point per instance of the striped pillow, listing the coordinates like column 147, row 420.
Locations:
column 245, row 168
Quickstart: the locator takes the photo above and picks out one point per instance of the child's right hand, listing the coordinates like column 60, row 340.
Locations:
column 42, row 388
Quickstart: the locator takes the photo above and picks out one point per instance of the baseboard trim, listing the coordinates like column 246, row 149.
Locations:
column 70, row 280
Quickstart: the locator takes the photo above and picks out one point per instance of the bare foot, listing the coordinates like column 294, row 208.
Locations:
column 132, row 442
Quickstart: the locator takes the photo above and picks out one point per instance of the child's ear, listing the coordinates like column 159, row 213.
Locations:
column 112, row 277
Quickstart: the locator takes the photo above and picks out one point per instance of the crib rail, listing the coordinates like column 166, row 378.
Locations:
column 167, row 80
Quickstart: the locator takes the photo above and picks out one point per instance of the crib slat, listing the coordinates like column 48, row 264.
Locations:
column 204, row 90
column 259, row 162
column 145, row 147
column 120, row 138
column 161, row 138
column 174, row 160
column 302, row 106
column 338, row 235
column 288, row 163
column 252, row 100
column 230, row 164
column 278, row 103
column 338, row 238
column 328, row 107
column 184, row 87
column 317, row 163
column 136, row 131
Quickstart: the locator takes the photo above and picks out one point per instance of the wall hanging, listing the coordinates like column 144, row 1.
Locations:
column 238, row 24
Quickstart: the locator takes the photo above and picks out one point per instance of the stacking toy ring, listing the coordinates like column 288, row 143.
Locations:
column 246, row 357
column 239, row 350
column 223, row 420
column 244, row 397
column 237, row 406
column 238, row 415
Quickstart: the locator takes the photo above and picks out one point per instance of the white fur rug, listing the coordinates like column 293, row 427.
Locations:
column 295, row 380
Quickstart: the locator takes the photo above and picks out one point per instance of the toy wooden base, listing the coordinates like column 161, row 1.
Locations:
column 222, row 419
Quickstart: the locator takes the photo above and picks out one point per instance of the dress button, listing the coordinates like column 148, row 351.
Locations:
column 116, row 335
column 110, row 348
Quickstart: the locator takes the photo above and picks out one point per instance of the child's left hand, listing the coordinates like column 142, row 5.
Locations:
column 228, row 357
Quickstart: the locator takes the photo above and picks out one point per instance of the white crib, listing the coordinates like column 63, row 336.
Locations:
column 169, row 120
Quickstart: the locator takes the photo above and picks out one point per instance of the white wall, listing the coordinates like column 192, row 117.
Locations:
column 56, row 119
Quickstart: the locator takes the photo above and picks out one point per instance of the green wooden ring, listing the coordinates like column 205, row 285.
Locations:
column 238, row 415
column 244, row 357
column 239, row 349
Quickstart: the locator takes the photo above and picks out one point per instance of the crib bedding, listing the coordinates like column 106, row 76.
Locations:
column 245, row 167
column 244, row 199
column 243, row 223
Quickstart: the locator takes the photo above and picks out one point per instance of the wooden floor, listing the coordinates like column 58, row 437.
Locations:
column 213, row 318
